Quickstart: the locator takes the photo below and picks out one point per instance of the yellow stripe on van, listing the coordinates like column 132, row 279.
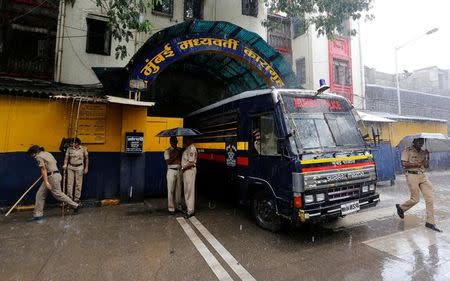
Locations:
column 243, row 145
column 326, row 160
column 210, row 145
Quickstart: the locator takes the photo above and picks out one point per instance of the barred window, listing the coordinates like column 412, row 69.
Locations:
column 298, row 27
column 163, row 7
column 98, row 40
column 193, row 9
column 342, row 72
column 301, row 70
column 250, row 8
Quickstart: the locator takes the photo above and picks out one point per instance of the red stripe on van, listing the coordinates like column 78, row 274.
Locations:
column 337, row 167
column 242, row 161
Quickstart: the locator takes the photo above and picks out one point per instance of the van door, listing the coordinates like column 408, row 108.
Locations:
column 266, row 161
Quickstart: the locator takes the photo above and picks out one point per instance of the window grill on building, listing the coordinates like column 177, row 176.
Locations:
column 301, row 70
column 298, row 27
column 342, row 72
column 98, row 40
column 193, row 9
column 163, row 7
column 279, row 36
column 250, row 8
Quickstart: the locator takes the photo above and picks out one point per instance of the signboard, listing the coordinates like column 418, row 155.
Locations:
column 92, row 123
column 134, row 142
column 173, row 50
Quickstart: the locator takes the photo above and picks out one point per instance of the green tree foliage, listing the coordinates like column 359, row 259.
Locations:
column 327, row 16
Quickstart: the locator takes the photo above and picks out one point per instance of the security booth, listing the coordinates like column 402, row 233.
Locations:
column 45, row 114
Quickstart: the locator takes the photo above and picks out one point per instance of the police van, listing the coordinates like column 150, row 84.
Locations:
column 293, row 154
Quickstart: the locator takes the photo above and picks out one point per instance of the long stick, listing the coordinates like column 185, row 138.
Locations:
column 23, row 195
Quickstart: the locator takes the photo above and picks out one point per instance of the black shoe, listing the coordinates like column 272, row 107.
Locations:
column 172, row 213
column 187, row 215
column 35, row 219
column 432, row 226
column 400, row 212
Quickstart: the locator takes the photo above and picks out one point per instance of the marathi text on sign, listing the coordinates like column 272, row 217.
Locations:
column 92, row 123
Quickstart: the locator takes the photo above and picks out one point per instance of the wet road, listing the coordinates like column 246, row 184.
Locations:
column 142, row 242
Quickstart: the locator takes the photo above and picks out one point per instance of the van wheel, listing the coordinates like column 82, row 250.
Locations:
column 265, row 212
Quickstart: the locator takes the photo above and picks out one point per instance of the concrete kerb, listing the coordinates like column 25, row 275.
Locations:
column 86, row 203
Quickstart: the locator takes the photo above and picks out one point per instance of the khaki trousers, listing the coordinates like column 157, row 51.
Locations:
column 55, row 183
column 189, row 189
column 420, row 183
column 77, row 176
column 174, row 178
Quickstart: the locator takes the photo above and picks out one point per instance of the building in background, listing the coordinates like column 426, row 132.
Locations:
column 27, row 38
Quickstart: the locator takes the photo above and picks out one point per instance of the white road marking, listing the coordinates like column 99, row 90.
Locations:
column 213, row 263
column 227, row 257
column 403, row 244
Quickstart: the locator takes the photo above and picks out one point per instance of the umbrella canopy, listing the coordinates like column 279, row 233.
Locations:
column 178, row 132
column 433, row 142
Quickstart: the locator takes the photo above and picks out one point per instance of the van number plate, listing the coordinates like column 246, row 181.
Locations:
column 349, row 208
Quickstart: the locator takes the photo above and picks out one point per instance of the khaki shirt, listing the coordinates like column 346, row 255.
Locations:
column 45, row 159
column 76, row 157
column 411, row 155
column 189, row 156
column 177, row 163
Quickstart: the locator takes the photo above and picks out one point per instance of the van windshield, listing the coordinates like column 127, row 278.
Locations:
column 322, row 123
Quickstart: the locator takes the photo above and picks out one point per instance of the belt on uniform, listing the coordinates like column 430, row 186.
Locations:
column 176, row 169
column 51, row 173
column 75, row 165
column 414, row 172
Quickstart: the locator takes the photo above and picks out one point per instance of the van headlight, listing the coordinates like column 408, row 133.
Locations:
column 320, row 197
column 309, row 199
column 372, row 187
column 365, row 189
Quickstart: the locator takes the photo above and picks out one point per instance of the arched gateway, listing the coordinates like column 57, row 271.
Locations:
column 209, row 59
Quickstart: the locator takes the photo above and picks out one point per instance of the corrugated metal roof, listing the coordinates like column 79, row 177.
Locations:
column 401, row 117
column 31, row 87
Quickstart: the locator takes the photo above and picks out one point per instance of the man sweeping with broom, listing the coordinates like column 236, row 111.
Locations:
column 51, row 181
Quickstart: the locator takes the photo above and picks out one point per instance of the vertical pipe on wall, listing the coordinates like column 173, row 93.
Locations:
column 59, row 40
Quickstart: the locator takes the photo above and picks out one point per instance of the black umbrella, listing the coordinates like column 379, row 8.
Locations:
column 178, row 132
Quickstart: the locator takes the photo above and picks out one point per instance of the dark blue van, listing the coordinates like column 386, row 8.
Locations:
column 293, row 154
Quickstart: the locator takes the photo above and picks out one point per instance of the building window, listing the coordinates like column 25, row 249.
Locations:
column 98, row 40
column 193, row 9
column 298, row 27
column 301, row 70
column 163, row 7
column 250, row 8
column 342, row 72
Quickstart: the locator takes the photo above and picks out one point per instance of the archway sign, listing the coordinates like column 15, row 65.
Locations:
column 170, row 51
column 251, row 63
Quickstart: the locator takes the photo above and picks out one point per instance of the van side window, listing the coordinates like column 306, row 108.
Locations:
column 264, row 137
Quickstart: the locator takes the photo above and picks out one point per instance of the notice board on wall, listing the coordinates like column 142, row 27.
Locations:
column 92, row 123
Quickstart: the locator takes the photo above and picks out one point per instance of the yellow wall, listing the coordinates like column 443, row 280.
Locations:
column 154, row 125
column 401, row 129
column 25, row 121
column 395, row 132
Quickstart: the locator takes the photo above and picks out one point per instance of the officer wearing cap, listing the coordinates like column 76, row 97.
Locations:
column 51, row 181
column 415, row 161
column 188, row 167
column 172, row 155
column 76, row 162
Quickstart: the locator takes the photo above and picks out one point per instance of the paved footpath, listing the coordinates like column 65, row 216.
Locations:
column 143, row 242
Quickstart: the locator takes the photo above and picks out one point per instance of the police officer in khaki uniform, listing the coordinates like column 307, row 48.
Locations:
column 76, row 163
column 51, row 181
column 415, row 161
column 188, row 166
column 172, row 155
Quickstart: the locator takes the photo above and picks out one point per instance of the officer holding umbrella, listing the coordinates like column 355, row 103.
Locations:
column 181, row 165
column 415, row 161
